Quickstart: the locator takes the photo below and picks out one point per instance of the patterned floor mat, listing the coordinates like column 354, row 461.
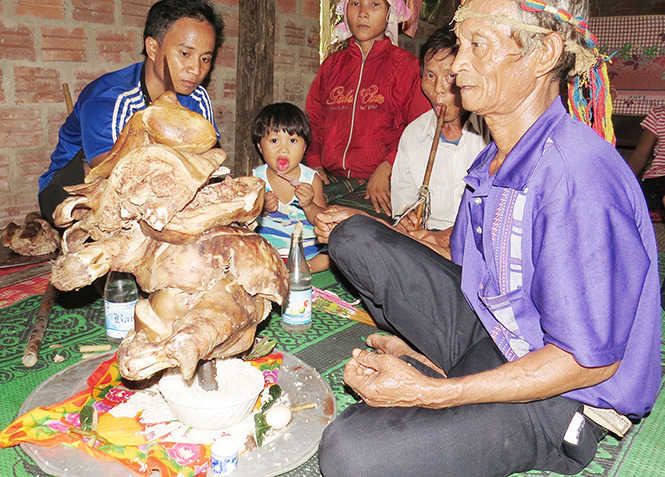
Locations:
column 77, row 319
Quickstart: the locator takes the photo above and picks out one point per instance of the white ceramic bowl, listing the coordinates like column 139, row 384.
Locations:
column 239, row 384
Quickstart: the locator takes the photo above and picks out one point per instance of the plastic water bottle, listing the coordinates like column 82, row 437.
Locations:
column 120, row 297
column 297, row 311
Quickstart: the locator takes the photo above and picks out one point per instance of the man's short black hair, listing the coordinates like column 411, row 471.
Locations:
column 281, row 117
column 163, row 14
column 443, row 38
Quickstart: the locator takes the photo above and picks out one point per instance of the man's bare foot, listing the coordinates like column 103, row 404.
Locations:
column 395, row 346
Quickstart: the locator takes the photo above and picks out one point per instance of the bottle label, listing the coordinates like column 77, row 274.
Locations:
column 119, row 318
column 298, row 310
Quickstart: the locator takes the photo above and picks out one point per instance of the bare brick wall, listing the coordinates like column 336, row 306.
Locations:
column 45, row 43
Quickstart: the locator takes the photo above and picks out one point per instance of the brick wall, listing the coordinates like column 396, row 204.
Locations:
column 45, row 43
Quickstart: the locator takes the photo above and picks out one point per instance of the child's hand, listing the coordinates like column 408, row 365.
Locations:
column 311, row 198
column 305, row 194
column 270, row 202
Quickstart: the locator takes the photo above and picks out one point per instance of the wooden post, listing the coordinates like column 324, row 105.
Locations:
column 254, row 76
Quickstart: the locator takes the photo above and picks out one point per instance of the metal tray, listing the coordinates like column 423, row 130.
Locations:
column 292, row 448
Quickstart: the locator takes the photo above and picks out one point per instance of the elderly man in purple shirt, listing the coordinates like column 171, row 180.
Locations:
column 543, row 332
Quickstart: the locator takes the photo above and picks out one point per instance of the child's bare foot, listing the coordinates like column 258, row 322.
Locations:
column 394, row 346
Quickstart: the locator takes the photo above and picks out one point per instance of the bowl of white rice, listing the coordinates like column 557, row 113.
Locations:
column 239, row 386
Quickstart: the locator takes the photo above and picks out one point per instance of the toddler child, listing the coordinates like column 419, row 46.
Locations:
column 294, row 192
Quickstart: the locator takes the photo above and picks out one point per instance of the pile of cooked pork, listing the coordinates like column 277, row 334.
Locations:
column 150, row 209
column 32, row 238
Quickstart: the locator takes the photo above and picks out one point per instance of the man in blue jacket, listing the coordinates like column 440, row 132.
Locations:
column 186, row 33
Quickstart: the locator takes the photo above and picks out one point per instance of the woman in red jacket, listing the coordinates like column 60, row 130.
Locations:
column 362, row 99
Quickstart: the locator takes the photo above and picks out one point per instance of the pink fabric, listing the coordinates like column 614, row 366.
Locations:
column 637, row 70
column 410, row 26
column 15, row 293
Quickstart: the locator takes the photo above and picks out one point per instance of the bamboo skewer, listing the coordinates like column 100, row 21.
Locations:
column 302, row 407
column 430, row 163
column 31, row 353
column 37, row 334
column 94, row 348
column 68, row 98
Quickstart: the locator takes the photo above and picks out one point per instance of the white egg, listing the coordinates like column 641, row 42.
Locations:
column 278, row 416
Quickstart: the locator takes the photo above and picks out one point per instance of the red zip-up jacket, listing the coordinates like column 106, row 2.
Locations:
column 358, row 108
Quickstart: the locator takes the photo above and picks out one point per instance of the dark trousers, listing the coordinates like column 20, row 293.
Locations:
column 54, row 194
column 654, row 191
column 415, row 293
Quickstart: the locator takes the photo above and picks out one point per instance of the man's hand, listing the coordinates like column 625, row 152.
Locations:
column 395, row 346
column 270, row 202
column 326, row 221
column 438, row 237
column 383, row 380
column 378, row 188
column 540, row 374
column 322, row 174
column 408, row 223
column 439, row 241
column 443, row 251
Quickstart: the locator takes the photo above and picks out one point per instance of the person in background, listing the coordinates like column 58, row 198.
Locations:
column 294, row 192
column 462, row 137
column 186, row 33
column 547, row 316
column 651, row 145
column 360, row 102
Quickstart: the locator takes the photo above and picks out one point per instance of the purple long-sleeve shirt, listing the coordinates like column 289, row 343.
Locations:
column 557, row 247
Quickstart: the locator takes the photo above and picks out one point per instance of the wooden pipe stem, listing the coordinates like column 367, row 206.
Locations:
column 430, row 163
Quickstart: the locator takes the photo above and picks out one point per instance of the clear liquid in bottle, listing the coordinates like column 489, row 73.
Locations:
column 120, row 297
column 297, row 310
